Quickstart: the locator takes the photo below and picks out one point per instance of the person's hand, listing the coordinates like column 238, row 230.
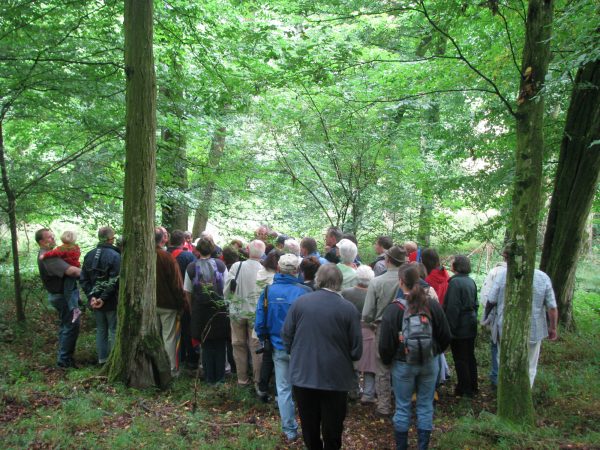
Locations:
column 552, row 336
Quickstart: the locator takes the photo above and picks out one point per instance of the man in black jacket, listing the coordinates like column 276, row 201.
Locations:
column 100, row 282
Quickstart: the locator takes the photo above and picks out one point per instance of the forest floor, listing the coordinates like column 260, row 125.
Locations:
column 45, row 407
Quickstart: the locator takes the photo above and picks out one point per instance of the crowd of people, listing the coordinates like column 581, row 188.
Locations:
column 327, row 329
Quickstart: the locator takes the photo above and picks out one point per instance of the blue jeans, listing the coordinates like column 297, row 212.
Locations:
column 284, row 393
column 106, row 329
column 406, row 379
column 68, row 331
column 494, row 369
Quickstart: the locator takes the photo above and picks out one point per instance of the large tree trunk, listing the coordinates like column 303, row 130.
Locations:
column 574, row 189
column 214, row 158
column 139, row 358
column 12, row 223
column 514, row 392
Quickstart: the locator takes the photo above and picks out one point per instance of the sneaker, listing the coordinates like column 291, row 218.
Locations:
column 365, row 400
column 76, row 314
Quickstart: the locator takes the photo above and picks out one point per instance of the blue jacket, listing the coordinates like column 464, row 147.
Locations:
column 280, row 296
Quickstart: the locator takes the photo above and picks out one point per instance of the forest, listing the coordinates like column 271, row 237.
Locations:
column 464, row 126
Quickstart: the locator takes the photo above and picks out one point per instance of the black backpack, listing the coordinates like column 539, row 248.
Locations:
column 416, row 335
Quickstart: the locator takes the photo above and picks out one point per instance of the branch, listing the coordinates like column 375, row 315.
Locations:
column 328, row 142
column 289, row 169
column 466, row 61
column 357, row 15
column 398, row 61
column 510, row 44
column 420, row 94
column 64, row 60
column 63, row 162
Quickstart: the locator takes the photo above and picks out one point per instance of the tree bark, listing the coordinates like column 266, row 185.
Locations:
column 574, row 189
column 12, row 223
column 214, row 158
column 139, row 358
column 431, row 120
column 514, row 392
column 174, row 210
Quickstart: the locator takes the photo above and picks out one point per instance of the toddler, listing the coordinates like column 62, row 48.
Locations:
column 69, row 252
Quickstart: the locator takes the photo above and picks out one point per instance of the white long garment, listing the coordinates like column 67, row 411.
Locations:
column 543, row 300
column 491, row 321
column 242, row 302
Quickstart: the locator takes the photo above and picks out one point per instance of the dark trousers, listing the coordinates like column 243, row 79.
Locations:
column 266, row 369
column 321, row 411
column 463, row 352
column 230, row 359
column 187, row 353
column 213, row 360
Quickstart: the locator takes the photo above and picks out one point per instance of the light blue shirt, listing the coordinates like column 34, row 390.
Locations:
column 543, row 299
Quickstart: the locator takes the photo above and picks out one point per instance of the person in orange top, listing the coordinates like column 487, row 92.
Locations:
column 70, row 253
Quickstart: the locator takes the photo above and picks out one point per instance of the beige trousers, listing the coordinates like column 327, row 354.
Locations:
column 242, row 340
column 167, row 319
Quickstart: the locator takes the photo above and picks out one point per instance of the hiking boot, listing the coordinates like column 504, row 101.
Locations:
column 423, row 436
column 401, row 440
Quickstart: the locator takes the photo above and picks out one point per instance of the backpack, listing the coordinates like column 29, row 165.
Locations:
column 416, row 335
column 207, row 275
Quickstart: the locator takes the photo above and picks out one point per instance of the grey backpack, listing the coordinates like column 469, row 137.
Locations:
column 416, row 335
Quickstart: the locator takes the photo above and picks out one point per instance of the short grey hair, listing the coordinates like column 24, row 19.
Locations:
column 329, row 276
column 256, row 248
column 207, row 235
column 348, row 251
column 105, row 233
column 364, row 275
column 291, row 246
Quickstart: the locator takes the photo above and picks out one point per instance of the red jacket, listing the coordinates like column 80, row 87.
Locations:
column 68, row 253
column 438, row 280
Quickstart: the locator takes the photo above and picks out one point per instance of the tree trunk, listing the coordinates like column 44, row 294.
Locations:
column 12, row 223
column 214, row 158
column 431, row 120
column 514, row 393
column 174, row 210
column 139, row 358
column 574, row 189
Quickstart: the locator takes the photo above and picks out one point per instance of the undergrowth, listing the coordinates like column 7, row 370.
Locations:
column 43, row 407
